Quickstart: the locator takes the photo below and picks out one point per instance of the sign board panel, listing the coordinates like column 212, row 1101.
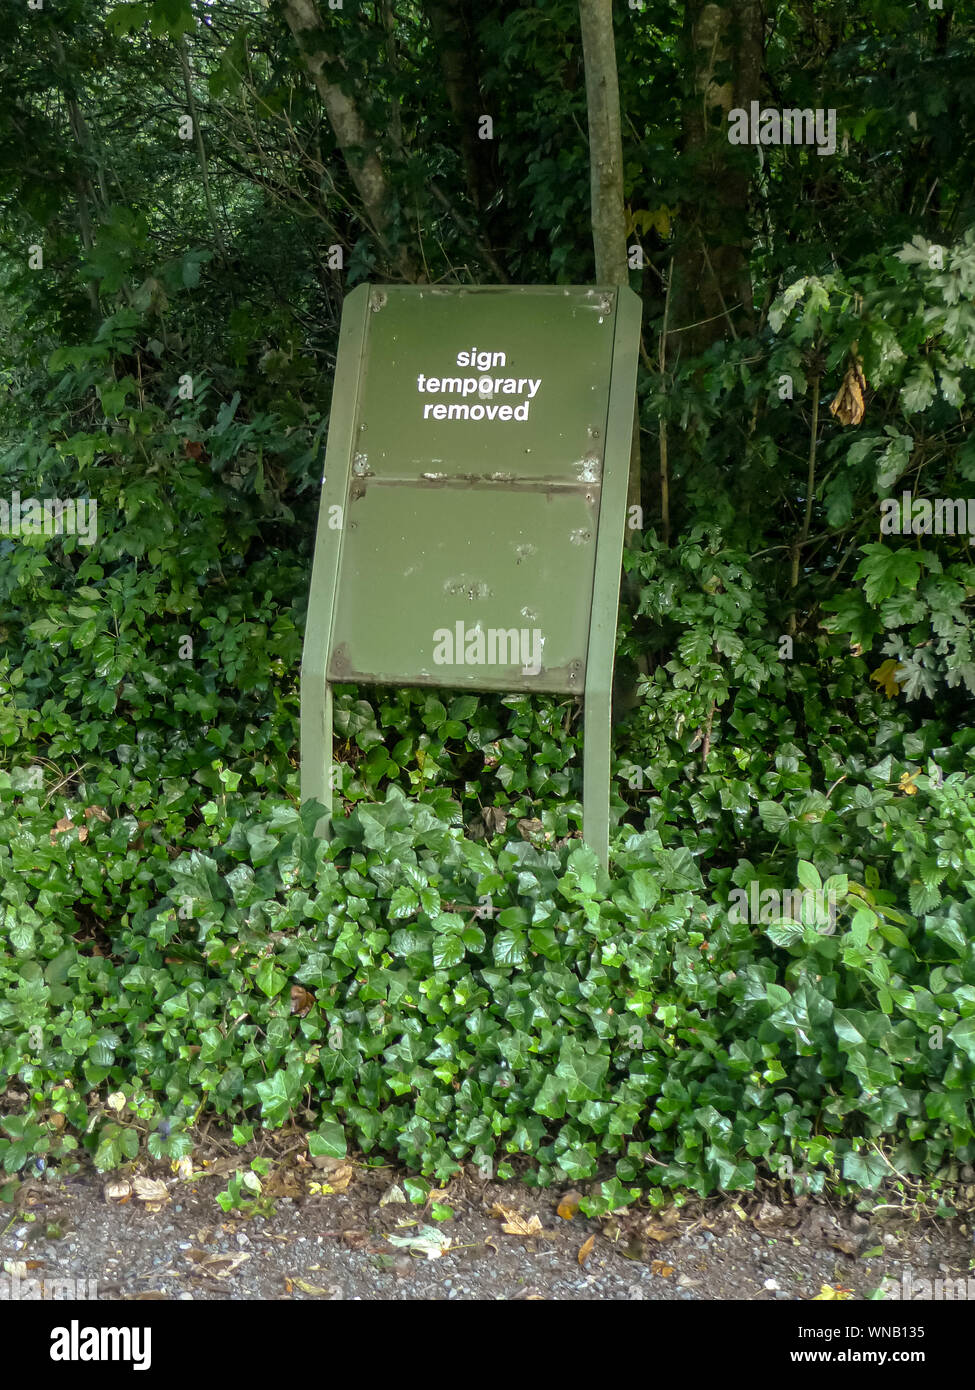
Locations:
column 471, row 523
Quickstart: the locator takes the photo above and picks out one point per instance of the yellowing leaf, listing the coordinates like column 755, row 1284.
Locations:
column 906, row 784
column 828, row 1294
column 648, row 219
column 315, row 1289
column 884, row 677
column 569, row 1205
column 659, row 1267
column 585, row 1250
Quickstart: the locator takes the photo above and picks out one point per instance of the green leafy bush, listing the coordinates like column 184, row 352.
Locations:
column 411, row 991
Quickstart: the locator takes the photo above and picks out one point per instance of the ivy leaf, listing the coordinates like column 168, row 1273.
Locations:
column 865, row 1169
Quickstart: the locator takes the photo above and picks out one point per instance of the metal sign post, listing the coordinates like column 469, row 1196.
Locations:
column 470, row 532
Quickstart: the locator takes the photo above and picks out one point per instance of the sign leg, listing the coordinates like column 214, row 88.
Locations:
column 596, row 741
column 317, row 769
column 324, row 826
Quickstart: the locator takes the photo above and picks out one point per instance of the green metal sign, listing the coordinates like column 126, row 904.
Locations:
column 471, row 524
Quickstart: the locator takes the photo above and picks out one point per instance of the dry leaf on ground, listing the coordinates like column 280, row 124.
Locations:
column 222, row 1266
column 150, row 1190
column 427, row 1241
column 336, row 1172
column 316, row 1290
column 355, row 1240
column 662, row 1227
column 514, row 1224
column 585, row 1250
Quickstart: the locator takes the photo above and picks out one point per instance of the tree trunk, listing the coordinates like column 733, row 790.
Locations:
column 354, row 140
column 452, row 28
column 606, row 173
column 609, row 244
column 712, row 293
column 605, row 142
column 201, row 153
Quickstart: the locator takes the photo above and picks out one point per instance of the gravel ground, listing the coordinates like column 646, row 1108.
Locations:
column 337, row 1231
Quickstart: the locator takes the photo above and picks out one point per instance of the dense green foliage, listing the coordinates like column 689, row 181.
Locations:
column 170, row 930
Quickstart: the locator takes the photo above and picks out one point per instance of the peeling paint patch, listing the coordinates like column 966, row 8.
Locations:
column 471, row 589
column 587, row 468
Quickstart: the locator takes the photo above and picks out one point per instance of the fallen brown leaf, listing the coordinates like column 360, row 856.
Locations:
column 150, row 1190
column 222, row 1266
column 768, row 1214
column 838, row 1240
column 529, row 828
column 514, row 1224
column 658, row 1267
column 662, row 1226
column 336, row 1172
column 283, row 1182
column 65, row 824
column 117, row 1190
column 355, row 1240
column 585, row 1250
column 301, row 1000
